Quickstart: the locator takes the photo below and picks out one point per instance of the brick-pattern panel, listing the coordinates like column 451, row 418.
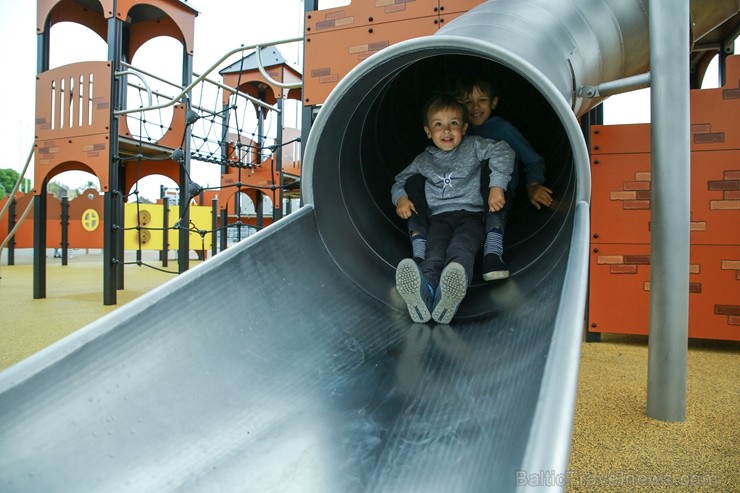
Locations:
column 729, row 186
column 701, row 133
column 635, row 194
column 346, row 18
column 731, row 311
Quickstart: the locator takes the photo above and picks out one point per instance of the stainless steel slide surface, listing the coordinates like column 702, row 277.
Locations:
column 267, row 369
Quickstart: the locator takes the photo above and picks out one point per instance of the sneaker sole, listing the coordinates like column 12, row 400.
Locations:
column 496, row 275
column 408, row 284
column 453, row 285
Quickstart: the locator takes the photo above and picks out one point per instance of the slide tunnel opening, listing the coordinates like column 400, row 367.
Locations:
column 372, row 128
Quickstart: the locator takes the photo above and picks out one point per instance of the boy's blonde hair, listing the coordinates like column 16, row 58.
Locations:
column 444, row 102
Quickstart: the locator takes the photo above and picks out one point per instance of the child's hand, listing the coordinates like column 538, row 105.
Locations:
column 496, row 199
column 405, row 208
column 539, row 195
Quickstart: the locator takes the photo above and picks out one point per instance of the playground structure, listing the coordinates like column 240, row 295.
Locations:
column 325, row 385
column 105, row 118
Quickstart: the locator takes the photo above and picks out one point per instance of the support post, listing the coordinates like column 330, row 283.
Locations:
column 184, row 223
column 670, row 214
column 165, row 230
column 39, row 244
column 65, row 230
column 112, row 196
column 214, row 226
column 11, row 225
column 224, row 229
column 277, row 207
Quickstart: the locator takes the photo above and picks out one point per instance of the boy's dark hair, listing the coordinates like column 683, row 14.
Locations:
column 444, row 102
column 464, row 87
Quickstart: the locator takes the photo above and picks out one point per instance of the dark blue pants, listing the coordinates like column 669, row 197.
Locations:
column 452, row 237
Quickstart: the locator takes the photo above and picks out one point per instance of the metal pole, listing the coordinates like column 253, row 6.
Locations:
column 224, row 229
column 112, row 197
column 65, row 230
column 214, row 226
column 277, row 207
column 165, row 230
column 670, row 218
column 11, row 225
column 184, row 223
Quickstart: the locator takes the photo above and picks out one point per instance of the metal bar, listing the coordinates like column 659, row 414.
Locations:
column 670, row 213
column 190, row 86
column 614, row 87
column 65, row 230
column 240, row 94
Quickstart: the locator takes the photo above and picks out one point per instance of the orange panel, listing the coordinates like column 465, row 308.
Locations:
column 714, row 311
column 619, row 139
column 333, row 55
column 714, row 284
column 715, row 112
column 79, row 237
column 368, row 14
column 338, row 39
column 620, row 198
column 619, row 301
column 715, row 197
column 714, row 118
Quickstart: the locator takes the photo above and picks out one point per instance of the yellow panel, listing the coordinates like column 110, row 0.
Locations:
column 151, row 221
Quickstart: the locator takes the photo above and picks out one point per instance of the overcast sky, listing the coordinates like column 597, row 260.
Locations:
column 258, row 22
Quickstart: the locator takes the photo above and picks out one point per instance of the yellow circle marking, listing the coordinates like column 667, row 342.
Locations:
column 90, row 220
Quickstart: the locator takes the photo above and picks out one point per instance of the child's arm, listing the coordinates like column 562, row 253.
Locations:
column 496, row 199
column 500, row 157
column 539, row 195
column 534, row 165
column 405, row 208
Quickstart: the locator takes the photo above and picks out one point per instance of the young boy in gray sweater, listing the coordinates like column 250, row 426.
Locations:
column 434, row 288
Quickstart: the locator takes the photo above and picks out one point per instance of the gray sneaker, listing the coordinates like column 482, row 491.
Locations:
column 453, row 284
column 414, row 290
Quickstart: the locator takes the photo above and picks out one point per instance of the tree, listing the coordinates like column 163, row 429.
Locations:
column 57, row 189
column 8, row 179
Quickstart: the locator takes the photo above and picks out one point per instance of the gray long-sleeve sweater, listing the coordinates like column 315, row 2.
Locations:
column 453, row 177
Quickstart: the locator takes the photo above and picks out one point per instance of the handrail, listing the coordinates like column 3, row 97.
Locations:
column 204, row 78
column 136, row 73
column 237, row 92
column 283, row 85
column 199, row 79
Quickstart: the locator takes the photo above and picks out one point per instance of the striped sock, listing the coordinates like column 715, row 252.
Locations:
column 419, row 246
column 494, row 242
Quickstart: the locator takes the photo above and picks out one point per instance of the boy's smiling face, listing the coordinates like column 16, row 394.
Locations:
column 480, row 105
column 446, row 128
